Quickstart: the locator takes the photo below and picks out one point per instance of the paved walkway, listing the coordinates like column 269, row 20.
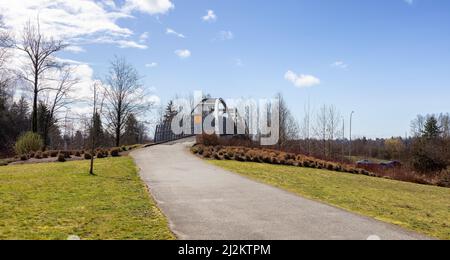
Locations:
column 203, row 202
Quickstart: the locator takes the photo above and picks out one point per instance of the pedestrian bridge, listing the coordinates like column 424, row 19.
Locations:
column 215, row 113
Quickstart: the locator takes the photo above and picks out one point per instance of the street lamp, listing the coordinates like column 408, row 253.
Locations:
column 351, row 119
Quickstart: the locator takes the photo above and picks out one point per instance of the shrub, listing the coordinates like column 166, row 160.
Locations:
column 207, row 154
column 124, row 148
column 195, row 149
column 239, row 158
column 66, row 154
column 426, row 163
column 45, row 155
column 87, row 156
column 53, row 153
column 77, row 154
column 24, row 157
column 101, row 153
column 330, row 167
column 61, row 157
column 38, row 155
column 115, row 152
column 28, row 142
column 290, row 162
column 217, row 156
column 428, row 155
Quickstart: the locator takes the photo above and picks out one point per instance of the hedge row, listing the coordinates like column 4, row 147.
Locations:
column 63, row 155
column 258, row 155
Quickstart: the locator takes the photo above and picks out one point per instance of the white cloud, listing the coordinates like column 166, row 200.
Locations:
column 153, row 99
column 144, row 37
column 339, row 65
column 225, row 35
column 183, row 54
column 75, row 49
column 148, row 6
column 173, row 32
column 81, row 21
column 151, row 65
column 301, row 81
column 123, row 44
column 210, row 16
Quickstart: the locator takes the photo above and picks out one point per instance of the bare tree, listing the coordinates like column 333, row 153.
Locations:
column 444, row 123
column 417, row 125
column 333, row 126
column 58, row 96
column 321, row 128
column 306, row 126
column 5, row 45
column 124, row 95
column 289, row 128
column 40, row 51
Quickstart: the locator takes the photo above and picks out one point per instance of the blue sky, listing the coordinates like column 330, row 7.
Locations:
column 388, row 60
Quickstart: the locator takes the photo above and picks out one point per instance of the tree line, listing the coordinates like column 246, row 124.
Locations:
column 322, row 135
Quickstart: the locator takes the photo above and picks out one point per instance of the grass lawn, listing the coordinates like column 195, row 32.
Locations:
column 55, row 200
column 425, row 209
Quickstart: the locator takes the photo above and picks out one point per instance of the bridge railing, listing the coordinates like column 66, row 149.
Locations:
column 164, row 132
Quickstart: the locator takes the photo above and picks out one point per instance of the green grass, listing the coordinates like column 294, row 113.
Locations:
column 55, row 200
column 425, row 209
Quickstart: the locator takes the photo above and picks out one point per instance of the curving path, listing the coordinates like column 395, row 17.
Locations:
column 203, row 202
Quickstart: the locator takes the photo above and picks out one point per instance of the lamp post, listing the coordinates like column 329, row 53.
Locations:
column 351, row 121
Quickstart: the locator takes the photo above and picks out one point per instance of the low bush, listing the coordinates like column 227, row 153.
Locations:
column 44, row 155
column 258, row 155
column 24, row 157
column 115, row 152
column 61, row 157
column 53, row 153
column 78, row 154
column 87, row 156
column 195, row 149
column 67, row 154
column 38, row 155
column 100, row 155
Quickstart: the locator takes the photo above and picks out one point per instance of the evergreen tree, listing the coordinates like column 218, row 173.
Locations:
column 78, row 140
column 170, row 112
column 432, row 129
column 45, row 123
column 132, row 131
column 97, row 130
